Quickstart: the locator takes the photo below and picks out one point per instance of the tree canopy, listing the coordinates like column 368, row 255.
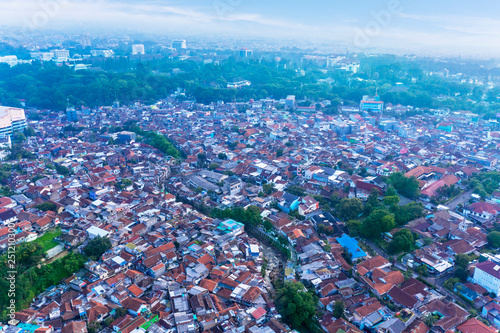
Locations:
column 46, row 206
column 409, row 187
column 408, row 212
column 349, row 209
column 379, row 221
column 96, row 247
column 295, row 303
column 494, row 239
column 402, row 241
column 250, row 216
column 461, row 263
column 338, row 309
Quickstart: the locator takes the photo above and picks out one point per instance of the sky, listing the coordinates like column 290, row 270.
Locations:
column 458, row 27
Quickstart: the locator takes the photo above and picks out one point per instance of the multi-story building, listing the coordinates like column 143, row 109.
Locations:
column 487, row 275
column 138, row 49
column 179, row 44
column 371, row 104
column 63, row 53
column 44, row 56
column 86, row 40
column 11, row 120
column 72, row 114
column 245, row 53
column 290, row 103
column 102, row 53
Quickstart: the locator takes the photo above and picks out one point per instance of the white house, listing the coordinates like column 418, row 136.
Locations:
column 487, row 275
column 482, row 210
column 94, row 232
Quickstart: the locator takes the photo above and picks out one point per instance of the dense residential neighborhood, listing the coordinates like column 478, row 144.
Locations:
column 240, row 167
column 185, row 217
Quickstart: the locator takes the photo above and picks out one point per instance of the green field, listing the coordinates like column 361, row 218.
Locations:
column 47, row 241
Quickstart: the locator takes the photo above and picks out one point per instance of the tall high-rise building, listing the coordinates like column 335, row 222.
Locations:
column 71, row 114
column 85, row 40
column 179, row 44
column 245, row 53
column 11, row 120
column 138, row 49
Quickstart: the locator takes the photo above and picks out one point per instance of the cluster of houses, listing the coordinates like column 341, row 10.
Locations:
column 173, row 268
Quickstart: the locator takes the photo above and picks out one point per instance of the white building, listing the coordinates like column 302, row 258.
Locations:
column 138, row 49
column 179, row 44
column 102, row 53
column 481, row 210
column 11, row 60
column 94, row 232
column 63, row 53
column 11, row 120
column 44, row 56
column 487, row 275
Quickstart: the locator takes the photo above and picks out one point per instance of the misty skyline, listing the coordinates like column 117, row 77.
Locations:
column 431, row 27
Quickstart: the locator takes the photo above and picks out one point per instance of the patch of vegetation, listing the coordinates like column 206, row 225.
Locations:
column 296, row 304
column 46, row 206
column 47, row 240
column 96, row 247
column 33, row 278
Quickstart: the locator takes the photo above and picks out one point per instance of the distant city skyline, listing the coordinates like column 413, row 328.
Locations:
column 426, row 27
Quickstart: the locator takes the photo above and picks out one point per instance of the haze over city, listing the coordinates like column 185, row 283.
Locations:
column 451, row 28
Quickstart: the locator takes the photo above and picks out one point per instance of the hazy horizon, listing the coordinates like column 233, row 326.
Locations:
column 423, row 27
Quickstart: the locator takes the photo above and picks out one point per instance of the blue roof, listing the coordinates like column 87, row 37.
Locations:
column 230, row 225
column 352, row 246
column 28, row 327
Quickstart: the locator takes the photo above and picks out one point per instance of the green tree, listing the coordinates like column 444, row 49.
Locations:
column 268, row 188
column 108, row 321
column 201, row 159
column 94, row 327
column 431, row 319
column 403, row 240
column 268, row 225
column 29, row 131
column 62, row 170
column 461, row 263
column 279, row 152
column 347, row 255
column 213, row 166
column 494, row 239
column 391, row 201
column 338, row 309
column 355, row 228
column 372, row 199
column 409, row 187
column 296, row 304
column 377, row 222
column 18, row 137
column 390, row 192
column 120, row 312
column 96, row 247
column 422, row 270
column 46, row 206
column 408, row 212
column 222, row 156
column 349, row 209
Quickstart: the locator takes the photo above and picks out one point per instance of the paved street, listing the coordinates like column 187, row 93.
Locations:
column 375, row 248
column 464, row 197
